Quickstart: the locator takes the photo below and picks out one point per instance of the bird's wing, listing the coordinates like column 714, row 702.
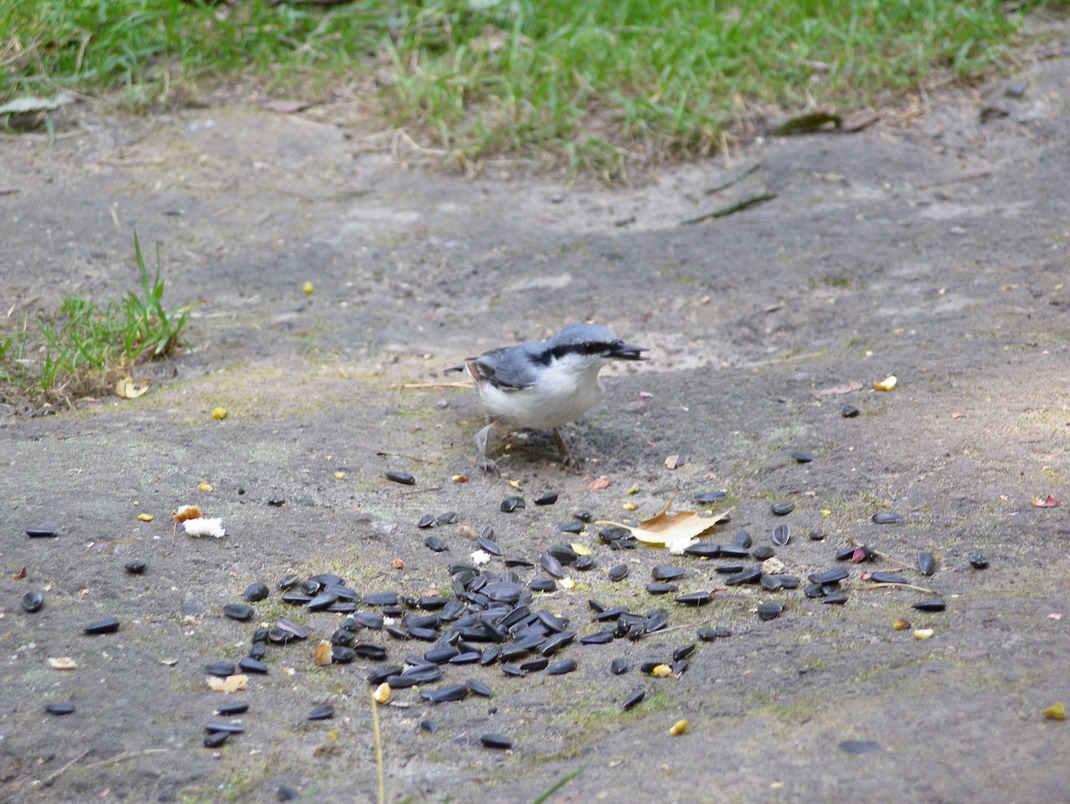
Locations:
column 508, row 369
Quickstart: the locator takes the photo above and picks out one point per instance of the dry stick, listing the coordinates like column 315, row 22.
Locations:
column 420, row 491
column 124, row 756
column 378, row 749
column 410, row 385
column 734, row 180
column 900, row 586
column 55, row 774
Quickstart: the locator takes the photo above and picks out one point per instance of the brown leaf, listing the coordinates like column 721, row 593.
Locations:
column 674, row 531
column 600, row 483
column 397, row 563
column 229, row 684
column 1045, row 502
column 18, row 576
column 322, row 653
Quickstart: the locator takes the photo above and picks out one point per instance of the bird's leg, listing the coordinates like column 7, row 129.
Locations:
column 567, row 461
column 481, row 441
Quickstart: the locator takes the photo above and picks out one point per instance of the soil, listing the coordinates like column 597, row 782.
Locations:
column 935, row 251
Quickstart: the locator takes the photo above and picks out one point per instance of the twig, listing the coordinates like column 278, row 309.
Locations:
column 125, row 756
column 378, row 749
column 420, row 491
column 773, row 360
column 900, row 586
column 458, row 384
column 732, row 209
column 55, row 774
column 383, row 454
column 734, row 180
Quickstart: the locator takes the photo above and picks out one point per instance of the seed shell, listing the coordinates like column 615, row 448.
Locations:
column 404, row 478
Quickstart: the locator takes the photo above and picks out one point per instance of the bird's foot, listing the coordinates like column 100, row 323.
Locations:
column 568, row 461
column 485, row 463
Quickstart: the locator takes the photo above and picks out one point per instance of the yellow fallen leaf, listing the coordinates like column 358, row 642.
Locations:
column 580, row 549
column 229, row 684
column 1054, row 712
column 219, row 413
column 629, row 506
column 146, row 517
column 339, row 475
column 307, row 287
column 826, row 512
column 62, row 663
column 679, row 727
column 382, row 693
column 567, row 583
column 322, row 653
column 887, row 384
column 674, row 531
column 633, row 489
column 516, row 484
column 661, row 671
column 204, row 485
column 128, row 389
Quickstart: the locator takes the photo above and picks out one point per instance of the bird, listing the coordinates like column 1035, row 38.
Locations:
column 544, row 385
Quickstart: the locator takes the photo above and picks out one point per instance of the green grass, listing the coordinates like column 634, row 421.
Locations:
column 593, row 83
column 82, row 347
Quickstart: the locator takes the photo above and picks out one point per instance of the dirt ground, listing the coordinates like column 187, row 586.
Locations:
column 934, row 250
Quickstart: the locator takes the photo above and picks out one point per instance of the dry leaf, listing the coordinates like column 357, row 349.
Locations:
column 580, row 549
column 229, row 684
column 397, row 563
column 887, row 384
column 1045, row 502
column 339, row 475
column 204, row 485
column 18, row 576
column 674, row 531
column 1054, row 712
column 322, row 654
column 599, row 483
column 128, row 389
column 62, row 663
column 662, row 671
column 633, row 489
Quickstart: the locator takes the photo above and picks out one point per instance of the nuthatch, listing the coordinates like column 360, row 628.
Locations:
column 544, row 385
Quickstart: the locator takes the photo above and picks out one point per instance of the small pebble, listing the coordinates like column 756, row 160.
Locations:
column 979, row 562
column 848, row 411
column 135, row 567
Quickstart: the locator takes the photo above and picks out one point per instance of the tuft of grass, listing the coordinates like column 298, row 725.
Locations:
column 80, row 348
column 592, row 83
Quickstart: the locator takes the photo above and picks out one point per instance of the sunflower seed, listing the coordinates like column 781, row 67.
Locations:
column 770, row 611
column 835, row 599
column 239, row 611
column 763, row 552
column 597, row 638
column 694, row 598
column 41, row 532
column 215, row 739
column 547, row 499
column 979, row 562
column 105, row 626
column 496, row 741
column 706, row 497
column 667, row 573
column 479, row 688
column 886, row 518
column 782, row 508
column 887, row 577
column 781, row 535
column 510, row 504
column 32, row 601
column 743, row 540
column 848, row 411
column 59, row 708
column 401, row 477
column 802, row 457
column 830, row 576
column 233, row 708
column 321, row 712
column 221, row 669
column 618, row 666
column 933, row 604
column 661, row 588
column 135, row 567
column 228, row 728
column 618, row 573
column 703, row 550
column 749, row 575
column 634, row 698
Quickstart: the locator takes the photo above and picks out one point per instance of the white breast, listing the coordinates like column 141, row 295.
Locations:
column 564, row 392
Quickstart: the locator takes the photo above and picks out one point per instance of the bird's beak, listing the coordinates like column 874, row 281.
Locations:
column 623, row 351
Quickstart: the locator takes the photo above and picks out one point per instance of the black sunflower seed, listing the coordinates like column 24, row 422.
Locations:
column 789, row 581
column 233, row 708
column 229, row 728
column 802, row 457
column 239, row 611
column 256, row 592
column 667, row 573
column 477, row 687
column 32, row 601
column 886, row 577
column 510, row 504
column 401, row 477
column 848, row 411
column 770, row 582
column 135, row 567
column 979, row 562
column 561, row 667
column 781, row 535
column 731, row 551
column 370, row 651
column 221, row 669
column 694, row 598
column 59, row 708
column 886, row 518
column 770, row 610
column 782, row 508
column 835, row 599
column 749, row 575
column 381, row 674
column 706, row 497
column 830, row 576
column 683, row 652
column 447, row 518
column 706, row 634
column 618, row 666
column 618, row 573
column 288, row 580
column 489, row 545
column 859, row 746
column 656, row 620
column 729, row 569
column 933, row 604
column 496, row 741
column 814, row 590
column 535, row 665
column 251, row 665
column 648, row 667
column 661, row 588
column 547, row 499
column 583, row 563
column 435, row 544
column 583, row 516
column 816, row 535
column 513, row 670
column 342, row 654
column 743, row 540
column 295, row 598
column 556, row 642
column 426, row 521
column 321, row 712
column 926, row 563
column 382, row 599
column 572, row 526
column 429, row 726
column 703, row 550
column 597, row 638
column 634, row 698
column 106, row 626
column 41, row 532
column 215, row 739
column 763, row 552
